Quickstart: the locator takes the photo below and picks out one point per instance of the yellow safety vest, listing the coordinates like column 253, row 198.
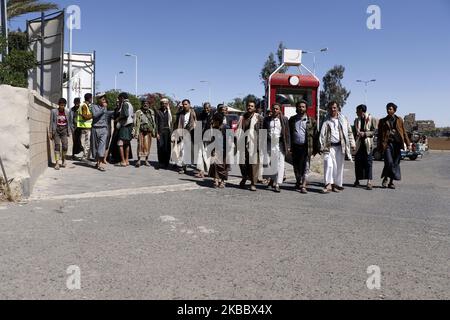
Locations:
column 81, row 123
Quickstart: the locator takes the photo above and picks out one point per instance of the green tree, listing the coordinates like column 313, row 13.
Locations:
column 280, row 53
column 333, row 90
column 271, row 65
column 113, row 95
column 14, row 69
column 18, row 8
column 237, row 103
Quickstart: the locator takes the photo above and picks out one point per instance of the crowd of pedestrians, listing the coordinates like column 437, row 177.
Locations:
column 260, row 145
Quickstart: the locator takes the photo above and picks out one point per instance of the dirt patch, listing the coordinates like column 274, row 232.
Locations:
column 9, row 192
column 439, row 143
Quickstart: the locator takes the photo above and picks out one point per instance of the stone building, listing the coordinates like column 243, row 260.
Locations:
column 411, row 124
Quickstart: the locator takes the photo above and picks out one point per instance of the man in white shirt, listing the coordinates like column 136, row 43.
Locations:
column 279, row 143
column 337, row 141
column 186, row 120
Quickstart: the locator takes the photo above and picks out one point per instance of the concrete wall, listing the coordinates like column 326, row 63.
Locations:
column 24, row 144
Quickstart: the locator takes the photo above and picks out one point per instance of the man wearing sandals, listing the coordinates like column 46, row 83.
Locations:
column 125, row 127
column 59, row 128
column 392, row 139
column 337, row 142
column 186, row 120
column 248, row 136
column 99, row 134
column 365, row 126
column 304, row 138
column 144, row 132
column 278, row 144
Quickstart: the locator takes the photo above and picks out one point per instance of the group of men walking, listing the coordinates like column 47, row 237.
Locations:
column 297, row 139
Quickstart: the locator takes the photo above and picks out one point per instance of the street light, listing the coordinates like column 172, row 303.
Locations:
column 134, row 56
column 314, row 71
column 366, row 83
column 209, row 87
column 4, row 26
column 115, row 79
column 314, row 56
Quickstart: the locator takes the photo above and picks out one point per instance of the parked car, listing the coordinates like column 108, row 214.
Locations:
column 418, row 150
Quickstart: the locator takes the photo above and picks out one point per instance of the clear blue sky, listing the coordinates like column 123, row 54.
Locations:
column 180, row 43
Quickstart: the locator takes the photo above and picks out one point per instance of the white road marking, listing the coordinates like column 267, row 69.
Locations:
column 120, row 192
column 206, row 230
column 168, row 219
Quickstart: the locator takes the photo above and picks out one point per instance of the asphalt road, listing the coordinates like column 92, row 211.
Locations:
column 175, row 238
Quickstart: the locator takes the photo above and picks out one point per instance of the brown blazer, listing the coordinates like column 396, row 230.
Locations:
column 384, row 127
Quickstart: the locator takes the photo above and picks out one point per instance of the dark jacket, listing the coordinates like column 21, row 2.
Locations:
column 311, row 132
column 206, row 119
column 384, row 129
column 159, row 119
column 179, row 122
column 285, row 139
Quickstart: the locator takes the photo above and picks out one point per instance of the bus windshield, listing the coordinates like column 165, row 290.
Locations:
column 290, row 96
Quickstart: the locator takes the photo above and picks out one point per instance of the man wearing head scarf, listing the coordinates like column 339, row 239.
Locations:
column 279, row 142
column 186, row 121
column 365, row 126
column 164, row 128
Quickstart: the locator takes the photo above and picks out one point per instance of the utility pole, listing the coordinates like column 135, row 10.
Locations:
column 4, row 25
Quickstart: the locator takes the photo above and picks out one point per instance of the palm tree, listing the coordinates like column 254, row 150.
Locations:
column 20, row 7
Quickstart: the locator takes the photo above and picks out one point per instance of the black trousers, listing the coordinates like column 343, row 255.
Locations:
column 300, row 159
column 392, row 159
column 164, row 147
column 363, row 164
column 77, row 147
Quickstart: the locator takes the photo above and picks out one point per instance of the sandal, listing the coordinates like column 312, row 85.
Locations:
column 102, row 169
column 303, row 191
column 326, row 190
column 200, row 175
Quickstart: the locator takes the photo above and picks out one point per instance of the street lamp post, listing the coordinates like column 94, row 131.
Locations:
column 366, row 84
column 314, row 71
column 115, row 79
column 4, row 26
column 136, row 57
column 209, row 88
column 314, row 56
